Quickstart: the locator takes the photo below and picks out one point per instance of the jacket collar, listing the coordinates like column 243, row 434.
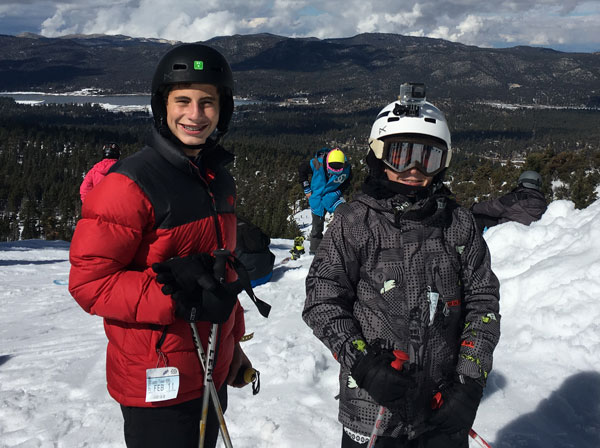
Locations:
column 400, row 206
column 209, row 158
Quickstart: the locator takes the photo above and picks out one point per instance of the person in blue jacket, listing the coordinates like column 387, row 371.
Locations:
column 324, row 179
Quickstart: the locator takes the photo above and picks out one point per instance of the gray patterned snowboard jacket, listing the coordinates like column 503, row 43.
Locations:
column 414, row 277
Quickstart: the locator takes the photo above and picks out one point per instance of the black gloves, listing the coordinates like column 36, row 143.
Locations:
column 185, row 273
column 459, row 406
column 374, row 373
column 197, row 295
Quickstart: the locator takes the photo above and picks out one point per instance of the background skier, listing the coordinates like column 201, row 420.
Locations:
column 324, row 179
column 525, row 204
column 110, row 154
column 166, row 208
column 403, row 273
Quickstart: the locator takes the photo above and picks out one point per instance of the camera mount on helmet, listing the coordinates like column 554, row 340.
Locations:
column 412, row 96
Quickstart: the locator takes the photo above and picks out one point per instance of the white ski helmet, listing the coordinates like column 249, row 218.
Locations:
column 400, row 124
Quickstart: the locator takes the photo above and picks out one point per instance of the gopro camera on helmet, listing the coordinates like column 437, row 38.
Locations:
column 412, row 93
column 412, row 96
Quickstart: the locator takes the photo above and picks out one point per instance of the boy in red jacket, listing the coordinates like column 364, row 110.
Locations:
column 166, row 210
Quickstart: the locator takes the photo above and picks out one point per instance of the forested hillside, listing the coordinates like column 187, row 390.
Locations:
column 46, row 150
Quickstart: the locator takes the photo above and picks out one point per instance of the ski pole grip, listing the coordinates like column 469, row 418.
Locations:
column 221, row 256
column 245, row 376
column 401, row 358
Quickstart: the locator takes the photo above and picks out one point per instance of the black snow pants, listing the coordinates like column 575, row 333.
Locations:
column 175, row 426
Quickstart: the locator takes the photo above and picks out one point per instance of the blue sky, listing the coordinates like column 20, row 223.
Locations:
column 567, row 25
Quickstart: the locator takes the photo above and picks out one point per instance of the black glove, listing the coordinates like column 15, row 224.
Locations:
column 459, row 406
column 197, row 295
column 374, row 373
column 218, row 304
column 185, row 273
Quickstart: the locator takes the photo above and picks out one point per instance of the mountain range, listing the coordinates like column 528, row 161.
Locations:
column 353, row 72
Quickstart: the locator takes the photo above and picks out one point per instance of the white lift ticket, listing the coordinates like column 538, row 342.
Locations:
column 162, row 384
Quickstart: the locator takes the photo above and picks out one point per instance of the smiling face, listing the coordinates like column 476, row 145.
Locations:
column 193, row 113
column 412, row 177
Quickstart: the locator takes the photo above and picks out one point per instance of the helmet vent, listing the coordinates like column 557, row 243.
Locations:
column 179, row 66
column 430, row 120
column 393, row 119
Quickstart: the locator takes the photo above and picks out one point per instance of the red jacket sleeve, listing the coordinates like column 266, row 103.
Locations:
column 104, row 279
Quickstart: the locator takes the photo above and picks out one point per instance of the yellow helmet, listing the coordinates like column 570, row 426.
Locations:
column 336, row 160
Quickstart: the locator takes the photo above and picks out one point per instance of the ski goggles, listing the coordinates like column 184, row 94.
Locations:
column 335, row 167
column 401, row 155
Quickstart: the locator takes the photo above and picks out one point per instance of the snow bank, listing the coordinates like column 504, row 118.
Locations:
column 544, row 390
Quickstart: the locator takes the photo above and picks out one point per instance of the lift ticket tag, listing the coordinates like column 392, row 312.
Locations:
column 162, row 384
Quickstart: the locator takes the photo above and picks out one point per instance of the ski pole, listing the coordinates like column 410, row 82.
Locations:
column 221, row 255
column 207, row 380
column 211, row 390
column 397, row 363
column 479, row 439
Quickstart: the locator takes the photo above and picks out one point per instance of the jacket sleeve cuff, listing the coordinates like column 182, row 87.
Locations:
column 338, row 202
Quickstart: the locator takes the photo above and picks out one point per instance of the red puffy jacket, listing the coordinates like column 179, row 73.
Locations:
column 155, row 205
column 94, row 176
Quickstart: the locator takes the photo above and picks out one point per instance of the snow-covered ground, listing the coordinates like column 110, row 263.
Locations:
column 544, row 390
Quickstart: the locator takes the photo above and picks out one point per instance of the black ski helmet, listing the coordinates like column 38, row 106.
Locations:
column 111, row 151
column 530, row 179
column 192, row 63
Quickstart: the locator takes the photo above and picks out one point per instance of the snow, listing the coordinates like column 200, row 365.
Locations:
column 120, row 108
column 30, row 102
column 544, row 390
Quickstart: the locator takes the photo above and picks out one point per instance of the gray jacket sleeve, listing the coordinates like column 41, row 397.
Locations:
column 330, row 294
column 493, row 208
column 481, row 307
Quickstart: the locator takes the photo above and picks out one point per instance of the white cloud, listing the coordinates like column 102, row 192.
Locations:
column 255, row 22
column 405, row 18
column 471, row 25
column 475, row 22
column 368, row 24
column 467, row 32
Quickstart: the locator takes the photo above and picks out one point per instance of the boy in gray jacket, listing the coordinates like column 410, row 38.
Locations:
column 402, row 293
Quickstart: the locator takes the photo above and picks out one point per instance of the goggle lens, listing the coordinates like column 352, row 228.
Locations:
column 402, row 156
